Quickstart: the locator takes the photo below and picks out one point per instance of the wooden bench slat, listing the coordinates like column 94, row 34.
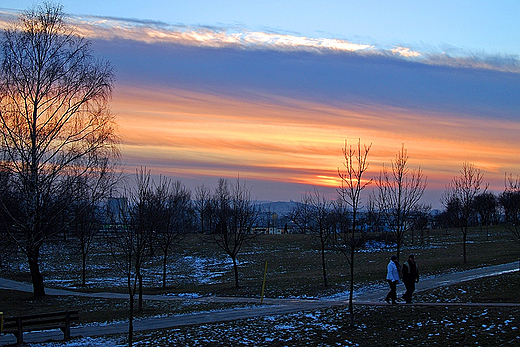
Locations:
column 45, row 315
column 37, row 325
column 44, row 321
column 31, row 321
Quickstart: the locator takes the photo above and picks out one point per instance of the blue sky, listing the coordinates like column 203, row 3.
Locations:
column 478, row 26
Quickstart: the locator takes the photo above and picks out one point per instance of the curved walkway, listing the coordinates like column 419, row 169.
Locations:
column 270, row 307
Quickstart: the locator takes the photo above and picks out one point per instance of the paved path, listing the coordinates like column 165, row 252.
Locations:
column 270, row 306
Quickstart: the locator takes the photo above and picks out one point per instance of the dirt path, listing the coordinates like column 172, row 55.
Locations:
column 270, row 306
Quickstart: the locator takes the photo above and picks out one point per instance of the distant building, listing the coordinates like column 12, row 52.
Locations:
column 115, row 210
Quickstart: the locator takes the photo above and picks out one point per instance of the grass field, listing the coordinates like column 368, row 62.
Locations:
column 374, row 325
column 293, row 264
column 401, row 325
column 294, row 270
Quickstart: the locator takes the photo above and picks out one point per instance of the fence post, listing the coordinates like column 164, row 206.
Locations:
column 263, row 284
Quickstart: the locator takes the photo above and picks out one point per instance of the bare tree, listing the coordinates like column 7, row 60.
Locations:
column 234, row 216
column 87, row 219
column 400, row 191
column 174, row 213
column 314, row 215
column 461, row 193
column 301, row 215
column 161, row 206
column 375, row 213
column 352, row 184
column 340, row 218
column 132, row 220
column 268, row 216
column 510, row 201
column 7, row 197
column 124, row 244
column 202, row 205
column 321, row 226
column 421, row 217
column 143, row 222
column 485, row 206
column 55, row 125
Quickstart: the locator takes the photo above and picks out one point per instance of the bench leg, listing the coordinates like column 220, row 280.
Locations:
column 19, row 334
column 66, row 333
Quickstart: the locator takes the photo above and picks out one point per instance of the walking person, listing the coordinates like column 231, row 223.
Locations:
column 392, row 276
column 410, row 277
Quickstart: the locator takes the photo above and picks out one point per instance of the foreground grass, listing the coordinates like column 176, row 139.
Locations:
column 401, row 325
column 376, row 326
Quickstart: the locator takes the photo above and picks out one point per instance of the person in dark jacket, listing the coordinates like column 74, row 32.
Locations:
column 410, row 277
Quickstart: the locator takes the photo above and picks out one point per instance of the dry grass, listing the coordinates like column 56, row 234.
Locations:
column 293, row 265
column 401, row 325
column 294, row 271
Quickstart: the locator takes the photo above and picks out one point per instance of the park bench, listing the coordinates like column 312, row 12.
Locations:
column 44, row 321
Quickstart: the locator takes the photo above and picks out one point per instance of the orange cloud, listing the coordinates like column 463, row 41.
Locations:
column 287, row 140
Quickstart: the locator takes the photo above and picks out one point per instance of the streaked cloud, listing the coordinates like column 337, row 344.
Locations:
column 157, row 32
column 405, row 52
column 236, row 37
column 148, row 31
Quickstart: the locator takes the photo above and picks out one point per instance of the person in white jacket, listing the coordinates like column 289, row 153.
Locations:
column 392, row 276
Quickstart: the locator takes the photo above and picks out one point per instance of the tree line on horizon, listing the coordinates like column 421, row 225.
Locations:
column 60, row 161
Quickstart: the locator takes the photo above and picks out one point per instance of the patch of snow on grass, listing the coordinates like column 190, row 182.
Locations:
column 82, row 342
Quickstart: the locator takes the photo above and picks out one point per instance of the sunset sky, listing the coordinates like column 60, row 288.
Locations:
column 270, row 90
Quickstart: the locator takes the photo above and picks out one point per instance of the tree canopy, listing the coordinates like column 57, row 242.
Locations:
column 56, row 129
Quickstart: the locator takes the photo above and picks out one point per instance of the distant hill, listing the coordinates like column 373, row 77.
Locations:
column 281, row 208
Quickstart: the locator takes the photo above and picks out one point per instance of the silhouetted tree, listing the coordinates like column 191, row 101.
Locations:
column 300, row 215
column 314, row 215
column 55, row 126
column 174, row 214
column 87, row 219
column 268, row 216
column 7, row 197
column 352, row 184
column 129, row 242
column 420, row 219
column 340, row 218
column 460, row 195
column 234, row 214
column 510, row 201
column 400, row 191
column 485, row 206
column 203, row 206
column 453, row 213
